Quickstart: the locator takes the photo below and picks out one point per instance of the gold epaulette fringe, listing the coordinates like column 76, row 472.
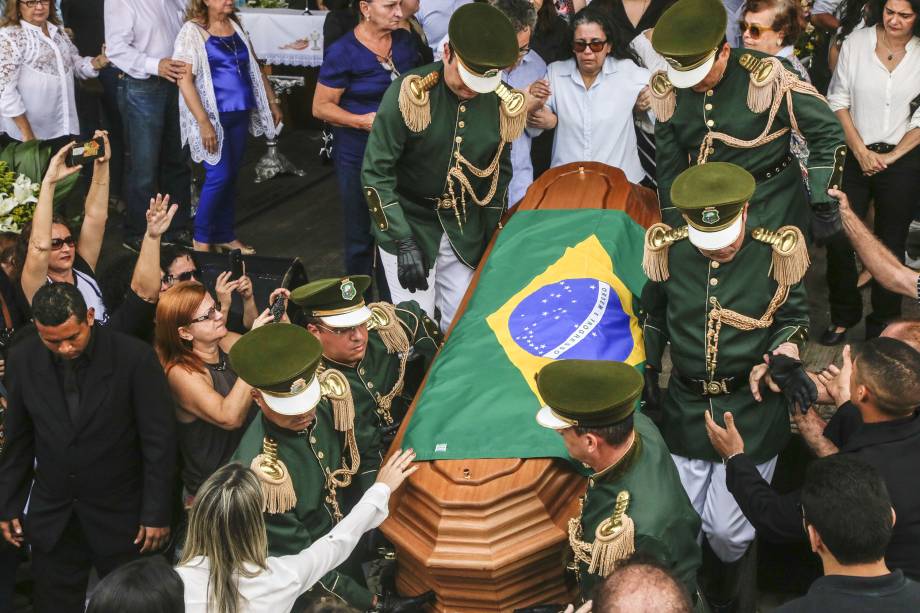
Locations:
column 414, row 100
column 335, row 387
column 658, row 241
column 614, row 539
column 513, row 118
column 385, row 321
column 664, row 98
column 277, row 489
column 765, row 83
column 790, row 253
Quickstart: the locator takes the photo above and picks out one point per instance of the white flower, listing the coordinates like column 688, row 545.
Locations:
column 8, row 225
column 7, row 204
column 24, row 190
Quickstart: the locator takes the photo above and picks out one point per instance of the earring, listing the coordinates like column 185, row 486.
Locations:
column 779, row 43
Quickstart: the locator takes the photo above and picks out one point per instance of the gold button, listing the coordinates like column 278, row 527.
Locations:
column 462, row 108
column 360, row 371
column 709, row 93
column 458, row 140
column 461, row 124
column 370, row 385
column 320, row 455
column 381, row 226
column 713, row 282
column 711, row 150
column 312, row 440
column 714, row 264
column 708, row 107
column 379, row 411
column 710, row 123
column 835, row 186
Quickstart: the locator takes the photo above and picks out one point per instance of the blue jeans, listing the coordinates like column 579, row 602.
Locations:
column 216, row 213
column 150, row 112
column 360, row 252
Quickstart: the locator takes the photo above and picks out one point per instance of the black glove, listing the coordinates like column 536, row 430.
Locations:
column 410, row 265
column 542, row 608
column 825, row 221
column 651, row 395
column 789, row 374
column 393, row 603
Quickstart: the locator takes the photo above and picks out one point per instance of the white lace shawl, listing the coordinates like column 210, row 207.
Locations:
column 190, row 49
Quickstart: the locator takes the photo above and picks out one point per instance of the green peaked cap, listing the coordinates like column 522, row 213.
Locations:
column 687, row 33
column 712, row 195
column 590, row 393
column 332, row 296
column 274, row 357
column 483, row 37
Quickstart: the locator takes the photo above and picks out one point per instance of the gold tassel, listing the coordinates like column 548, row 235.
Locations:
column 335, row 387
column 614, row 539
column 664, row 98
column 658, row 241
column 765, row 82
column 414, row 99
column 277, row 488
column 385, row 321
column 790, row 253
column 513, row 117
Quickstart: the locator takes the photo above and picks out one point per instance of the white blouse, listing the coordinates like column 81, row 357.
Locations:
column 36, row 78
column 878, row 100
column 287, row 577
column 190, row 49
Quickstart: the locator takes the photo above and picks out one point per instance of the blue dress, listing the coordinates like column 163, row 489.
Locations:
column 228, row 61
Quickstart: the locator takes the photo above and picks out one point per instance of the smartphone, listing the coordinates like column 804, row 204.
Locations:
column 236, row 264
column 86, row 152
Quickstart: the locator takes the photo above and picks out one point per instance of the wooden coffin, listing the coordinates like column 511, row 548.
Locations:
column 490, row 534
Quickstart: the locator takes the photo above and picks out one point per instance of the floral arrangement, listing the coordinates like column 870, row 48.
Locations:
column 267, row 4
column 18, row 197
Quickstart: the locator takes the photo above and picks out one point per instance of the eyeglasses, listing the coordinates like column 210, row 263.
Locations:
column 596, row 46
column 32, row 3
column 341, row 331
column 58, row 243
column 755, row 30
column 212, row 313
column 188, row 275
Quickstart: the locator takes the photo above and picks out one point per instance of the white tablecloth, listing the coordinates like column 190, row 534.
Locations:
column 271, row 29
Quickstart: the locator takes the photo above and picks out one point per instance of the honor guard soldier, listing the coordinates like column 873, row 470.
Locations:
column 302, row 449
column 437, row 164
column 374, row 346
column 716, row 103
column 729, row 295
column 634, row 500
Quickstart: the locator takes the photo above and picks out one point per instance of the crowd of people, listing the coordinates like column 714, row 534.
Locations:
column 157, row 454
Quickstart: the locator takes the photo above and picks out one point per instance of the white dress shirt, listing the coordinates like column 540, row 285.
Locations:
column 434, row 16
column 596, row 124
column 139, row 33
column 36, row 79
column 878, row 100
column 287, row 577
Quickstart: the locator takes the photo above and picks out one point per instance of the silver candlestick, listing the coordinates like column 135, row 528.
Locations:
column 273, row 162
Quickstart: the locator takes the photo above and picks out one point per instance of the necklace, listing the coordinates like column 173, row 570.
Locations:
column 231, row 48
column 891, row 53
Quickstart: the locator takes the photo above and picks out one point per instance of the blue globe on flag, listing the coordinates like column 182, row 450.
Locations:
column 573, row 319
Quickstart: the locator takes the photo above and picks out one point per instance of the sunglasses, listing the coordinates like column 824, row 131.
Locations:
column 340, row 331
column 33, row 3
column 596, row 46
column 211, row 314
column 58, row 243
column 188, row 275
column 753, row 28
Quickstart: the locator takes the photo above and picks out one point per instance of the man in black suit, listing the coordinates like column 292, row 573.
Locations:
column 90, row 419
column 879, row 425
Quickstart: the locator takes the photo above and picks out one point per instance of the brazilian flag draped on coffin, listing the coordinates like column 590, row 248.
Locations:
column 558, row 284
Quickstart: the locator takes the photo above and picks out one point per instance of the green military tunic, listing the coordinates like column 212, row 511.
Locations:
column 780, row 197
column 666, row 526
column 677, row 311
column 375, row 375
column 405, row 174
column 308, row 455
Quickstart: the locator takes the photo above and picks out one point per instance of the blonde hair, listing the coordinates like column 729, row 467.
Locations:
column 227, row 527
column 198, row 11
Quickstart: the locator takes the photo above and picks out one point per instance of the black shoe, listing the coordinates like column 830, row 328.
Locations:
column 393, row 603
column 133, row 244
column 831, row 337
column 181, row 238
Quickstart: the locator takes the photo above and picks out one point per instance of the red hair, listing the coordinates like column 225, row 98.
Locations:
column 176, row 308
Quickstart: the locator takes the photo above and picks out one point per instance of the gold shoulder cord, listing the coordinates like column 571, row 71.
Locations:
column 278, row 494
column 614, row 538
column 770, row 85
column 335, row 387
column 385, row 321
